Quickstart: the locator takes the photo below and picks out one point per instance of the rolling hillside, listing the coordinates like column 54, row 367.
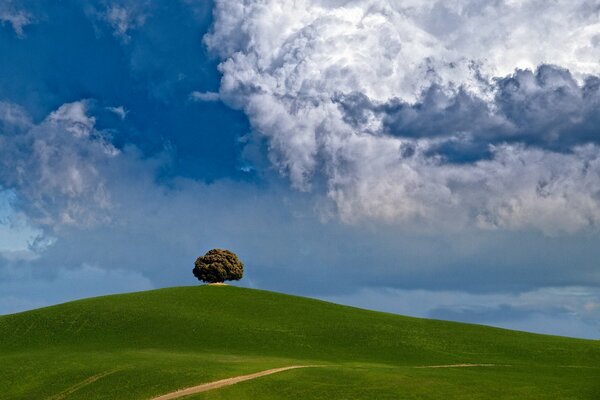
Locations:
column 141, row 345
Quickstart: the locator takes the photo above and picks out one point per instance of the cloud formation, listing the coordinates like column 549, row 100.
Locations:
column 399, row 112
column 422, row 121
column 122, row 16
column 56, row 166
column 15, row 16
column 545, row 108
column 204, row 96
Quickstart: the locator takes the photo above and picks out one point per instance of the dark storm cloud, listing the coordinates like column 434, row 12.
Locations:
column 546, row 108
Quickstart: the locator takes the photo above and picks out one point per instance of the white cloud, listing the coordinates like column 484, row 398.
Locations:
column 123, row 20
column 73, row 118
column 286, row 77
column 13, row 118
column 56, row 168
column 123, row 16
column 17, row 18
column 120, row 111
column 204, row 96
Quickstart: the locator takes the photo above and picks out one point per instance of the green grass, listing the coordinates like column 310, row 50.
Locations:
column 139, row 345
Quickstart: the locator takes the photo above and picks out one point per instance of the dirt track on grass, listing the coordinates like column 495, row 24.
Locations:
column 72, row 389
column 462, row 366
column 231, row 381
column 225, row 382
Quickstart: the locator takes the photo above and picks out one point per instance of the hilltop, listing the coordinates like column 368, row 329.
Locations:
column 140, row 345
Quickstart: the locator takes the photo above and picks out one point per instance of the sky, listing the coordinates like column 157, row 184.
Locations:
column 439, row 159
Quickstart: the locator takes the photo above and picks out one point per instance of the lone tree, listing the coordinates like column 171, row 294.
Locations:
column 217, row 266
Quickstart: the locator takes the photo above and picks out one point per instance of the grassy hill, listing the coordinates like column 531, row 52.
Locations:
column 136, row 346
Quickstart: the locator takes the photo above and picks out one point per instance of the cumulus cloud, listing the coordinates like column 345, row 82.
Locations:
column 546, row 108
column 13, row 118
column 55, row 166
column 424, row 111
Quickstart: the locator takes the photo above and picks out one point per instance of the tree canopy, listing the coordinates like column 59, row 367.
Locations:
column 217, row 266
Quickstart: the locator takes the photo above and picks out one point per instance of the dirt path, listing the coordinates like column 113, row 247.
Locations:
column 225, row 382
column 231, row 381
column 461, row 366
column 72, row 389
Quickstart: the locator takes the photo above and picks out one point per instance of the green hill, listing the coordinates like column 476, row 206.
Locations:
column 139, row 345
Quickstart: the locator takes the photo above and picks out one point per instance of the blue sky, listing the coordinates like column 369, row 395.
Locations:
column 426, row 158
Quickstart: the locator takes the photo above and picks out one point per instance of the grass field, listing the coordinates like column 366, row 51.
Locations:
column 140, row 345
